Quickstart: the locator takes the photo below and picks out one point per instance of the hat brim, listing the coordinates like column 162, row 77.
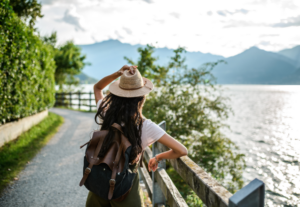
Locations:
column 116, row 90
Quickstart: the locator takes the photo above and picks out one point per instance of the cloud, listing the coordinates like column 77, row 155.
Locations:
column 93, row 38
column 161, row 21
column 269, row 35
column 235, row 23
column 174, row 14
column 265, row 43
column 289, row 4
column 128, row 31
column 226, row 12
column 222, row 13
column 49, row 2
column 118, row 35
column 289, row 22
column 244, row 11
column 284, row 4
column 148, row 1
column 72, row 17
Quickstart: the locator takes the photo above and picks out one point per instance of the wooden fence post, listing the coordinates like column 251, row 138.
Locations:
column 70, row 99
column 90, row 101
column 55, row 100
column 79, row 100
column 63, row 98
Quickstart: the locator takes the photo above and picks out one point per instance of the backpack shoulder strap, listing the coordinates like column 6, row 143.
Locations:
column 112, row 181
column 141, row 159
column 118, row 127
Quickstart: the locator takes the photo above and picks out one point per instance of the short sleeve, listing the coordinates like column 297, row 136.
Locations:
column 153, row 132
column 98, row 103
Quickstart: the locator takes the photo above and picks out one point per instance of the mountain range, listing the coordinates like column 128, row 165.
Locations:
column 253, row 66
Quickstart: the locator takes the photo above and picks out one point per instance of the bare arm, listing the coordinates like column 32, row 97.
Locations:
column 176, row 150
column 101, row 84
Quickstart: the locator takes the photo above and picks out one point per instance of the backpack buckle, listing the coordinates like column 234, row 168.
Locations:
column 112, row 182
column 87, row 170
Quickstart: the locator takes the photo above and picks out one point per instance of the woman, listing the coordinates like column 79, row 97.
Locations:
column 124, row 105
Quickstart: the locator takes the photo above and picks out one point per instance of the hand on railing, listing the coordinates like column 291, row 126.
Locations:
column 152, row 164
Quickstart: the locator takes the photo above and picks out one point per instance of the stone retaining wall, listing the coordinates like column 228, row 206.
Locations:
column 12, row 130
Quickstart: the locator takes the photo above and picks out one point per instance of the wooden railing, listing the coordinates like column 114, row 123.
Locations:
column 81, row 100
column 162, row 190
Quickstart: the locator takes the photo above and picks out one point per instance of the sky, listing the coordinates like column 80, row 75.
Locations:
column 221, row 27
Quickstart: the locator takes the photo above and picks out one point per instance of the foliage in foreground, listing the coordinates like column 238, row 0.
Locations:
column 190, row 103
column 16, row 154
column 26, row 69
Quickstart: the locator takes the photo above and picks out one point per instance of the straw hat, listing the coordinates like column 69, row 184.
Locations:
column 131, row 85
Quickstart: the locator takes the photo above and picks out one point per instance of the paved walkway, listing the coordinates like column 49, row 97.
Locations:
column 52, row 177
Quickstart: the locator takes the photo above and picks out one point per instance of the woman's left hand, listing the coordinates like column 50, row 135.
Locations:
column 152, row 165
column 126, row 67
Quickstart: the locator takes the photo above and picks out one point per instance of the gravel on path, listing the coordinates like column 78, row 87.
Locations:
column 52, row 177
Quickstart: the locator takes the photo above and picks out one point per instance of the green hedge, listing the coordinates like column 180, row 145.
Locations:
column 26, row 69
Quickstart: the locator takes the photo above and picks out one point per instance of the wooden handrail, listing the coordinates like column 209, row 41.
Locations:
column 206, row 187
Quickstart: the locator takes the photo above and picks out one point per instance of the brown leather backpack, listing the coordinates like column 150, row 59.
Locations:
column 110, row 177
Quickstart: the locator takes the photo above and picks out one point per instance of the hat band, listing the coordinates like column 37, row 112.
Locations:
column 136, row 88
column 133, row 88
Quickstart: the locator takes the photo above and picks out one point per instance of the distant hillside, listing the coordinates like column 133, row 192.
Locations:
column 293, row 54
column 293, row 79
column 255, row 66
column 108, row 56
column 84, row 79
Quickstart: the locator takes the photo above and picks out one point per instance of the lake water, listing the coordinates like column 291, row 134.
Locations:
column 266, row 127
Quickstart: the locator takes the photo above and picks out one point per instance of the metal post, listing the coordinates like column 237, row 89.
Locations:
column 162, row 163
column 90, row 101
column 157, row 196
column 252, row 194
column 79, row 100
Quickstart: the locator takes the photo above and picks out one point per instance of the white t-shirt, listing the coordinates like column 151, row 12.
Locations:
column 151, row 132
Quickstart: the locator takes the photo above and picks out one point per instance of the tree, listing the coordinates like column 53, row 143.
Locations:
column 147, row 67
column 68, row 59
column 191, row 104
column 27, row 10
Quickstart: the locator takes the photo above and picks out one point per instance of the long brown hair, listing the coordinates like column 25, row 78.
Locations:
column 115, row 109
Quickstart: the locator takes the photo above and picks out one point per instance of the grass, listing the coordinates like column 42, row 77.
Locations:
column 16, row 154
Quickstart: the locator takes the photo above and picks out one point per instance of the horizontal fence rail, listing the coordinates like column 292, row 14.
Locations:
column 207, row 188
